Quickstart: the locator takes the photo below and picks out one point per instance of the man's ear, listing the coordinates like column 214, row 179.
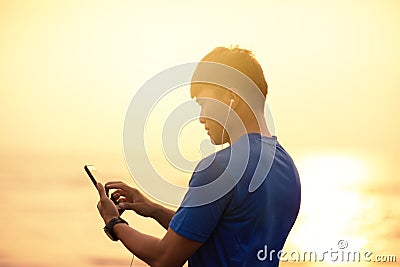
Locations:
column 234, row 99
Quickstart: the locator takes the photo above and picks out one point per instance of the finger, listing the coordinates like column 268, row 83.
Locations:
column 126, row 205
column 122, row 199
column 117, row 185
column 101, row 190
column 114, row 182
column 119, row 193
column 115, row 196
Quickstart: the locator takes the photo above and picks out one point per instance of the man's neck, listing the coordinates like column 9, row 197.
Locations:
column 252, row 126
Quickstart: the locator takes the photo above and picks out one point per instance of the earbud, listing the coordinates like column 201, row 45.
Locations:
column 230, row 104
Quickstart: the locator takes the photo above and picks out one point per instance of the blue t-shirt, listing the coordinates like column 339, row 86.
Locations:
column 240, row 200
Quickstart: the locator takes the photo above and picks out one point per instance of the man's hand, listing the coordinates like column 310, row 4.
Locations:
column 106, row 207
column 129, row 198
column 172, row 250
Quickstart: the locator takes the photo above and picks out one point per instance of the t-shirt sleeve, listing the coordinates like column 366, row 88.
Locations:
column 198, row 222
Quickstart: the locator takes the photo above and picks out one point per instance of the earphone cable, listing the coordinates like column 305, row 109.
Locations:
column 226, row 120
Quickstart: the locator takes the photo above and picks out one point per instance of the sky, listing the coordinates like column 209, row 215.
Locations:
column 69, row 69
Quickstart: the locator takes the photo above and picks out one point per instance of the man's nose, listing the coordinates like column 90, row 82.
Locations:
column 202, row 120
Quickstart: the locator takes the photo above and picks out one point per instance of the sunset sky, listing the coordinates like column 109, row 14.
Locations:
column 69, row 69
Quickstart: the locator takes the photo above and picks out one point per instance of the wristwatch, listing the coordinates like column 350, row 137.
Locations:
column 108, row 229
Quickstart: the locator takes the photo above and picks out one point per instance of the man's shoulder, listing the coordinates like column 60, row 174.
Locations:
column 214, row 160
column 210, row 168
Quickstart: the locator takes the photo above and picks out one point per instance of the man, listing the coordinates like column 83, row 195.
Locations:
column 240, row 200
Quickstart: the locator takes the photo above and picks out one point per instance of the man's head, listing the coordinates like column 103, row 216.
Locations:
column 207, row 94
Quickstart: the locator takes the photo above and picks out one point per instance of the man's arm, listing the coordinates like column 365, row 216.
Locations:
column 132, row 199
column 162, row 215
column 172, row 250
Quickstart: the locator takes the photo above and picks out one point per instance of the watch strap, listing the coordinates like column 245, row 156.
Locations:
column 108, row 229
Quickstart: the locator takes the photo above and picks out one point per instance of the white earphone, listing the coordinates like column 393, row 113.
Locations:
column 230, row 104
column 226, row 120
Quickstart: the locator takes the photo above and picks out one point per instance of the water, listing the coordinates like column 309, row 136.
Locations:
column 49, row 216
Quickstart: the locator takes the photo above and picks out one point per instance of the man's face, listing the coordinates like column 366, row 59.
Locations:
column 213, row 112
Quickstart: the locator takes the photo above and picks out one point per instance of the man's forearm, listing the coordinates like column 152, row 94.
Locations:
column 145, row 247
column 171, row 251
column 162, row 215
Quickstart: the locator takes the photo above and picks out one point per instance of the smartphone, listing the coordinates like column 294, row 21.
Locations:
column 90, row 170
